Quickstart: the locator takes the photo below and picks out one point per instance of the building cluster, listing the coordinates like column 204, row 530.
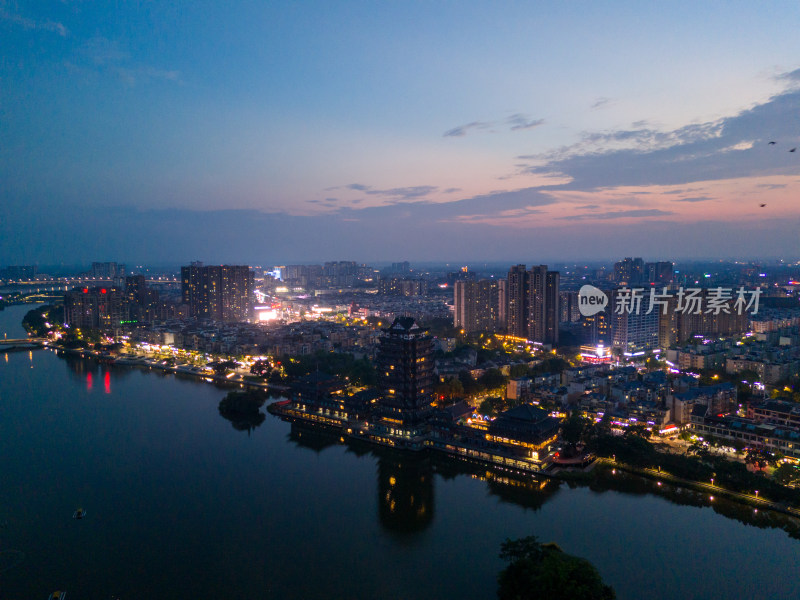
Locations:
column 331, row 275
column 116, row 309
column 530, row 304
column 525, row 304
column 623, row 396
column 221, row 293
column 388, row 307
column 772, row 425
column 634, row 271
column 18, row 273
column 251, row 339
column 771, row 357
column 210, row 293
column 402, row 414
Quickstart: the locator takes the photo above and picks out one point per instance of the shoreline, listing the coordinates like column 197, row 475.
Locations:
column 552, row 472
column 182, row 369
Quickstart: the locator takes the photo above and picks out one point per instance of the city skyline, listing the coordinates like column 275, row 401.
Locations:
column 378, row 132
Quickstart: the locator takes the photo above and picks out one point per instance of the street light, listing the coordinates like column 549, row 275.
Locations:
column 712, row 481
column 756, row 493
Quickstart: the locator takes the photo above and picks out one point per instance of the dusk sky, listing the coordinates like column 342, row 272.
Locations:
column 268, row 133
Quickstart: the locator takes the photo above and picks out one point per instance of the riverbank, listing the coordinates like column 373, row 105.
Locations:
column 457, row 450
column 201, row 373
column 712, row 490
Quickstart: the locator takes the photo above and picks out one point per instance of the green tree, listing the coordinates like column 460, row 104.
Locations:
column 543, row 571
column 518, row 370
column 787, row 474
column 759, row 458
column 449, row 389
column 493, row 379
column 471, row 387
column 575, row 428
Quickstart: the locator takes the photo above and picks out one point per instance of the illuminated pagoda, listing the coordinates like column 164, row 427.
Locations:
column 406, row 379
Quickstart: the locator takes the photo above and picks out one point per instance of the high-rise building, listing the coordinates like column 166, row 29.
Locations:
column 218, row 293
column 635, row 331
column 405, row 372
column 658, row 272
column 111, row 271
column 95, row 308
column 533, row 303
column 629, row 271
column 20, row 272
column 537, row 282
column 144, row 303
column 398, row 286
column 401, row 267
column 552, row 297
column 502, row 304
column 518, row 291
column 477, row 305
column 597, row 330
column 568, row 307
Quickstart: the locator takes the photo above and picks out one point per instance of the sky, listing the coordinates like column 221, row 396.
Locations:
column 277, row 132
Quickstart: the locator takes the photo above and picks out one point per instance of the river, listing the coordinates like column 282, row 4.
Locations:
column 183, row 503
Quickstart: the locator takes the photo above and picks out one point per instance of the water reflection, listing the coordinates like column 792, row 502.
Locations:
column 405, row 493
column 312, row 439
column 406, row 488
column 619, row 481
column 242, row 409
column 406, row 496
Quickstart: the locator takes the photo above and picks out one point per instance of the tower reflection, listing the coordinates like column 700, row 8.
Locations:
column 405, row 493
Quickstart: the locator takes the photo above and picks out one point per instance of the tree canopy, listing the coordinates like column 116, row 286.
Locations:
column 543, row 571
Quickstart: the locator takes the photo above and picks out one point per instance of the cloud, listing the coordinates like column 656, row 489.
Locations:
column 600, row 103
column 791, row 76
column 520, row 122
column 500, row 218
column 726, row 148
column 451, row 190
column 462, row 130
column 693, row 199
column 515, row 122
column 31, row 24
column 589, row 207
column 397, row 194
column 104, row 55
column 619, row 214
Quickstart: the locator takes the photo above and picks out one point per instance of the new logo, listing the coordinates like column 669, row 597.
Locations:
column 591, row 300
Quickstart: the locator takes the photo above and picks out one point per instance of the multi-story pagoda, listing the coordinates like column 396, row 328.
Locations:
column 406, row 380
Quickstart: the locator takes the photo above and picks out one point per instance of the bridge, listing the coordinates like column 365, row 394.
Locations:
column 28, row 341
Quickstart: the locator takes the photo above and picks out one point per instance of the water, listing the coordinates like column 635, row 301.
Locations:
column 182, row 503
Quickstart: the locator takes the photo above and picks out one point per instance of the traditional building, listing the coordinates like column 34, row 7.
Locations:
column 405, row 373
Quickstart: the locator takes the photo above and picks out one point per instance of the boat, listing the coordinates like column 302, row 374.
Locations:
column 79, row 514
column 57, row 596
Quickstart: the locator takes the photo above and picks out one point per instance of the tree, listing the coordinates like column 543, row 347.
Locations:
column 449, row 389
column 518, row 370
column 759, row 458
column 471, row 387
column 543, row 571
column 493, row 379
column 574, row 428
column 486, row 408
column 638, row 431
column 787, row 474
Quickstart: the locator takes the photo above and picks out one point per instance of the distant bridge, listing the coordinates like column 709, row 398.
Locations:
column 29, row 341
